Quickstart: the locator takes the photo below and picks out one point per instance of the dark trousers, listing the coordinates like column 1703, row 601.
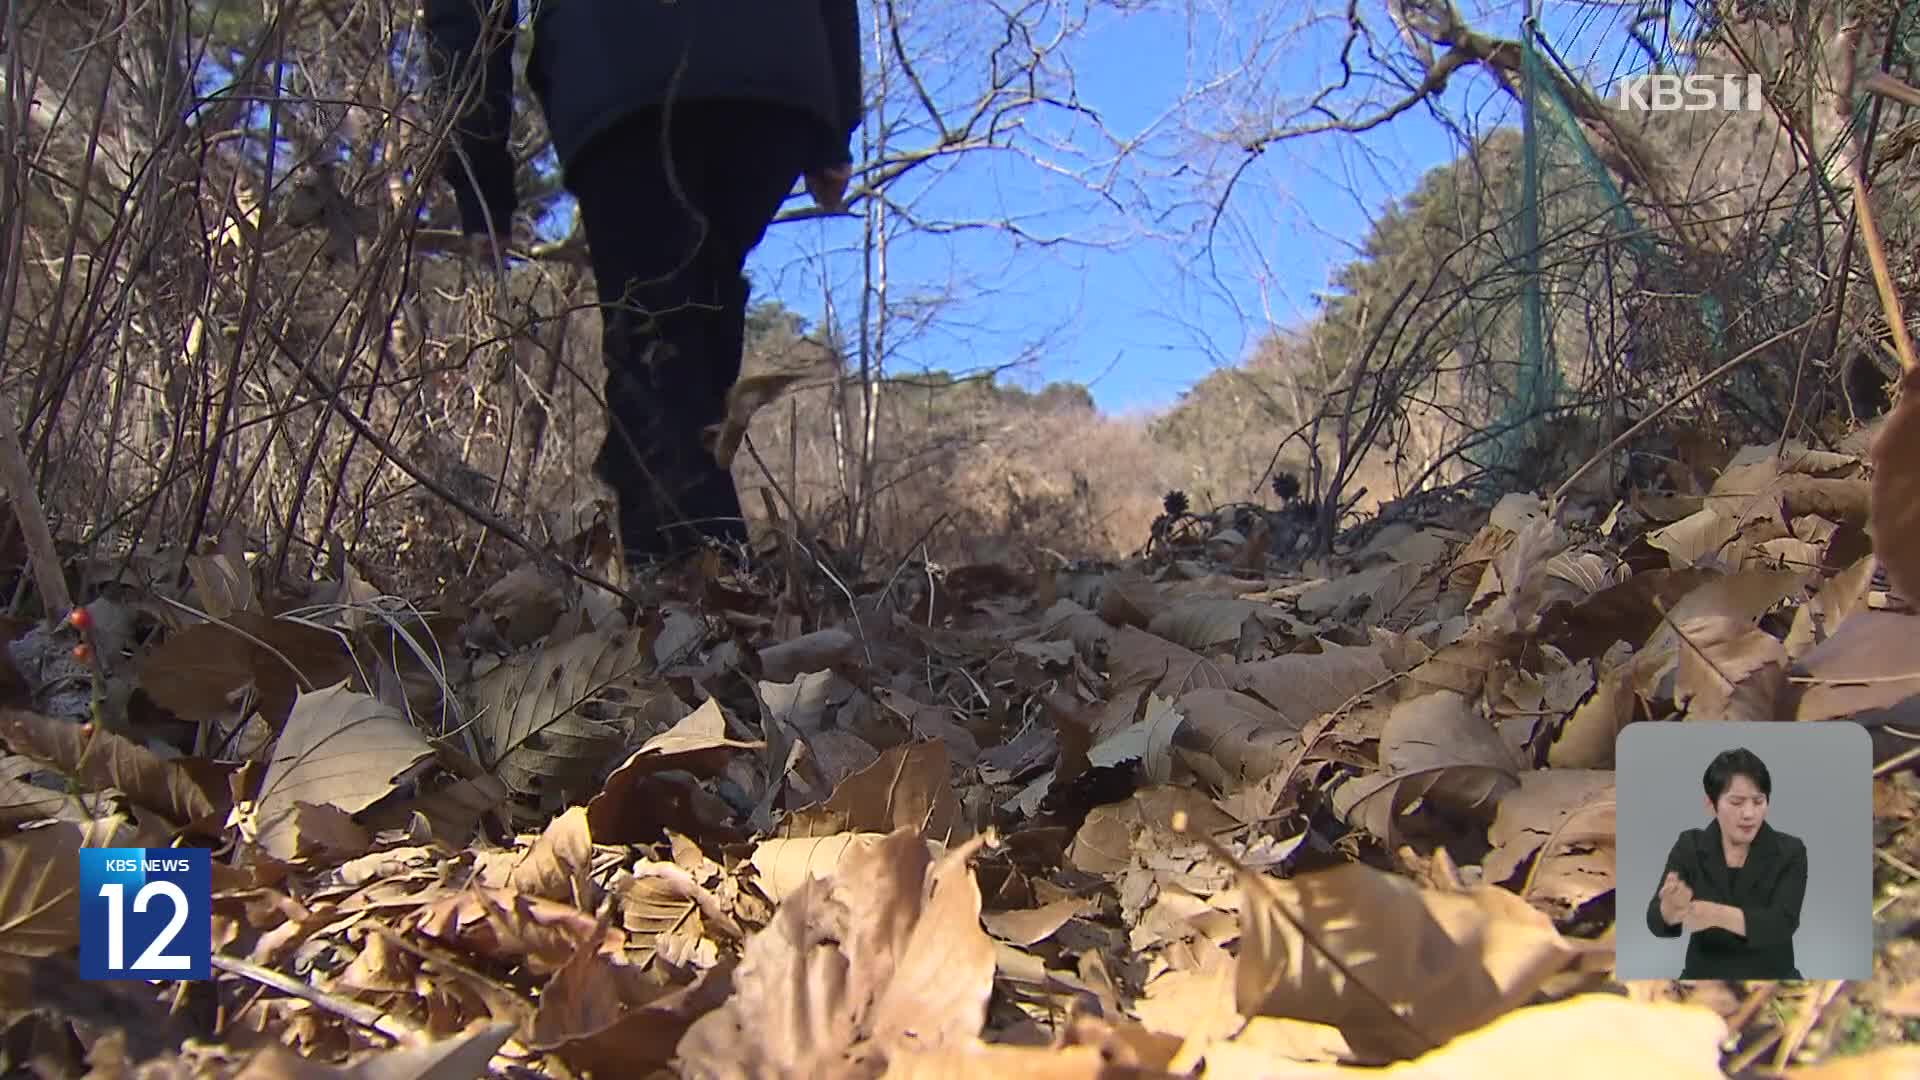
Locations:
column 669, row 219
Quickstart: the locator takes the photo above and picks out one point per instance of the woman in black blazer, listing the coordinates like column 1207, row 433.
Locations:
column 1737, row 884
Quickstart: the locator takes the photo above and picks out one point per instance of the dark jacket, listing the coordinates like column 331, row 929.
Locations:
column 1768, row 890
column 594, row 62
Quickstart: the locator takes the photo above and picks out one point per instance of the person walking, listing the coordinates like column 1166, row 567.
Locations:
column 681, row 126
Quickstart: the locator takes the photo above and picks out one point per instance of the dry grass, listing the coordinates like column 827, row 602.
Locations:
column 967, row 475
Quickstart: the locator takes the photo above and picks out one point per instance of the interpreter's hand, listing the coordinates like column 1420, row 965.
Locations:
column 828, row 186
column 1676, row 897
column 1700, row 916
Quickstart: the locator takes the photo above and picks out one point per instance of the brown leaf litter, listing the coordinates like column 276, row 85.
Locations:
column 1186, row 816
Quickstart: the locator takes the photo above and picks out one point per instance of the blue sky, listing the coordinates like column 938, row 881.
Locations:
column 1142, row 321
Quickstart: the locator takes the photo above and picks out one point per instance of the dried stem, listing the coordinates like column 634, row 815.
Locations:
column 42, row 555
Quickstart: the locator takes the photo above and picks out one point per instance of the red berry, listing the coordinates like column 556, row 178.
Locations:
column 83, row 652
column 80, row 619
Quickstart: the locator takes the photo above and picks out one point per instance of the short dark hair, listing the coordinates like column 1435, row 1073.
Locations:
column 1739, row 761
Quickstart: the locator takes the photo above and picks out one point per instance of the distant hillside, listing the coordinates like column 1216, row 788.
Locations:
column 1230, row 424
column 1000, row 467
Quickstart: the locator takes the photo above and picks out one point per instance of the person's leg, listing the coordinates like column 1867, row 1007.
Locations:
column 754, row 171
column 668, row 248
column 640, row 205
column 749, row 169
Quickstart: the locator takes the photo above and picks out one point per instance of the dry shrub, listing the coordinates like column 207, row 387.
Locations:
column 971, row 470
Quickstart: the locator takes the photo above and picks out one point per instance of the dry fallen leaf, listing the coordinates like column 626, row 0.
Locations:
column 1034, row 925
column 1894, row 521
column 781, row 881
column 936, row 993
column 510, row 927
column 1204, row 623
column 1197, row 1004
column 805, row 704
column 559, row 866
column 223, row 583
column 1246, row 737
column 1843, row 594
column 1742, row 596
column 1729, row 670
column 817, row 989
column 526, row 604
column 1704, row 538
column 1435, row 747
column 674, row 916
column 1443, row 730
column 452, row 813
column 697, row 744
column 907, row 787
column 101, row 759
column 40, row 891
column 1372, row 595
column 818, row 651
column 1115, row 834
column 1148, row 740
column 610, row 1018
column 1770, row 485
column 990, row 1059
column 1135, row 655
column 1589, row 1037
column 1872, row 661
column 1573, row 809
column 22, row 801
column 205, row 672
column 748, row 395
column 1302, row 686
column 340, row 750
column 1904, row 1002
column 549, row 719
column 784, row 866
column 1628, row 611
column 1399, row 969
column 1463, row 665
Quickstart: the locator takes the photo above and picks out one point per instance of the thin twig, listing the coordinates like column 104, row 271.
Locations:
column 365, row 1015
column 1899, row 864
column 1751, row 1007
column 1877, row 258
column 480, row 515
column 1751, row 1054
column 42, row 555
column 1889, row 87
column 1897, row 760
column 921, row 544
column 853, row 605
column 1791, row 1042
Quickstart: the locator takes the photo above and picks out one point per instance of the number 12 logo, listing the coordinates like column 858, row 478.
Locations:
column 154, row 905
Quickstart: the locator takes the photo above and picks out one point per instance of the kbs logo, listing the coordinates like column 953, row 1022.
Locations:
column 145, row 913
column 1672, row 92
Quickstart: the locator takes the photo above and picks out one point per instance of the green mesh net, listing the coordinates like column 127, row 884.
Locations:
column 1615, row 309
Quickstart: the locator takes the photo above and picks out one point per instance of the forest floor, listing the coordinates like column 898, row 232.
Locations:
column 1200, row 812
